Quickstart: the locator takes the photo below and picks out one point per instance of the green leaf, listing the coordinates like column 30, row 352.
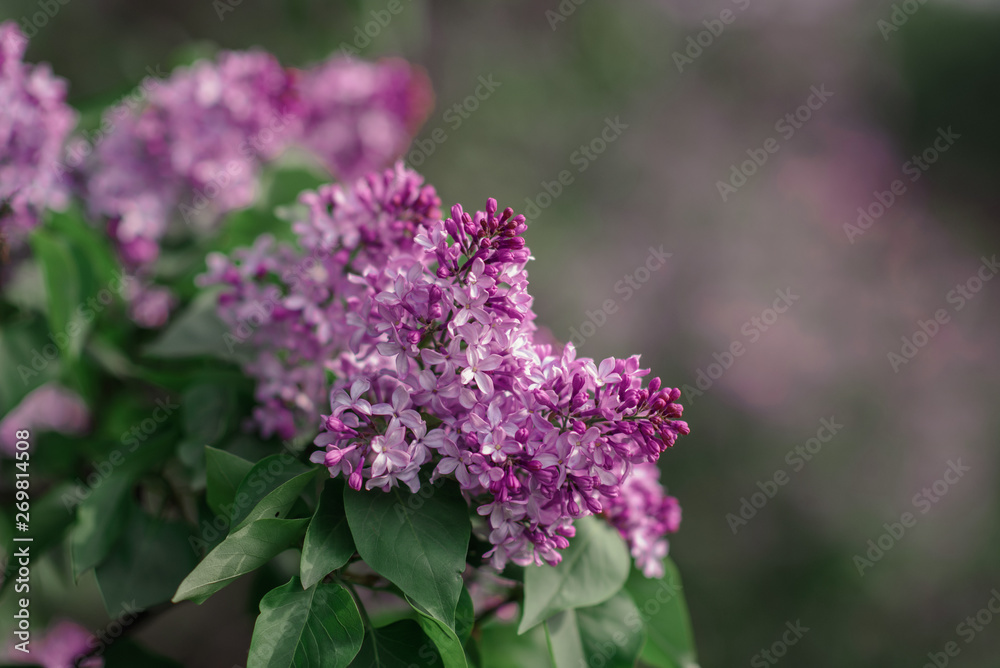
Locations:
column 286, row 184
column 98, row 259
column 270, row 489
column 241, row 552
column 593, row 569
column 447, row 641
column 100, row 519
column 328, row 544
column 223, row 471
column 146, row 565
column 465, row 616
column 609, row 634
column 501, row 647
column 397, row 645
column 418, row 541
column 319, row 626
column 62, row 287
column 669, row 640
column 565, row 643
column 196, row 332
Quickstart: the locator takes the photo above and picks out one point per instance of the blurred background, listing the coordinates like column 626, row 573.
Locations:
column 740, row 137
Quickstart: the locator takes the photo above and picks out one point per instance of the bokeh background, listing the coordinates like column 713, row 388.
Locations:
column 561, row 74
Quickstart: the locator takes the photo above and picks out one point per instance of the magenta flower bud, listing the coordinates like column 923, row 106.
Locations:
column 654, row 385
column 544, row 400
column 355, row 480
column 333, row 457
column 511, row 243
column 532, row 464
column 626, row 427
column 547, row 476
column 457, row 213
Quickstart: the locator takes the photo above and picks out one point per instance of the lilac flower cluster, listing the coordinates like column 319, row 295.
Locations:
column 300, row 329
column 34, row 124
column 192, row 134
column 426, row 329
column 195, row 151
column 358, row 116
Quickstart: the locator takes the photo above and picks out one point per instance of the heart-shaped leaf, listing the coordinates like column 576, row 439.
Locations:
column 242, row 551
column 593, row 569
column 418, row 541
column 669, row 640
column 328, row 544
column 301, row 628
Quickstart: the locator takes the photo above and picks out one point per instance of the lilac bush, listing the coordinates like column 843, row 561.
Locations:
column 426, row 327
column 365, row 383
column 34, row 124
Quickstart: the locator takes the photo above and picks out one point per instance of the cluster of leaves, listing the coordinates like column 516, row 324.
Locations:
column 169, row 500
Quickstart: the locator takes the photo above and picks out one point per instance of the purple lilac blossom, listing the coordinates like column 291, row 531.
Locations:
column 299, row 330
column 195, row 151
column 359, row 116
column 426, row 327
column 50, row 407
column 34, row 124
column 188, row 151
column 60, row 646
